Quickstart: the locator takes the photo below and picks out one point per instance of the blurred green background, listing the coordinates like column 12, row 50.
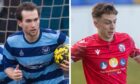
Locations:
column 77, row 76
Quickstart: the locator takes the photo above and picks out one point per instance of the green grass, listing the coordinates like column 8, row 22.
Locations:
column 77, row 76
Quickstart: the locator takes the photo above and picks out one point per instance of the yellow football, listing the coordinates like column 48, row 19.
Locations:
column 61, row 53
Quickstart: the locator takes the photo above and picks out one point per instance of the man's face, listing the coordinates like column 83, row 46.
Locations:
column 106, row 26
column 30, row 22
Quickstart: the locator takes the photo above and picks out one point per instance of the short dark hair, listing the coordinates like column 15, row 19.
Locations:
column 29, row 6
column 103, row 8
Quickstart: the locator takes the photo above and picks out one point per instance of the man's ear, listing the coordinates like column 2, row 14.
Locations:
column 95, row 23
column 19, row 23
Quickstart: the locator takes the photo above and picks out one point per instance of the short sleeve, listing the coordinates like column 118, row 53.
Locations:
column 78, row 50
column 134, row 50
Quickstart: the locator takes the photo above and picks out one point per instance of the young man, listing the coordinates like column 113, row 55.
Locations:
column 31, row 50
column 105, row 54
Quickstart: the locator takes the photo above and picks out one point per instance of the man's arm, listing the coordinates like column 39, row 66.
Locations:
column 78, row 50
column 136, row 54
column 63, row 39
column 9, row 62
column 137, row 58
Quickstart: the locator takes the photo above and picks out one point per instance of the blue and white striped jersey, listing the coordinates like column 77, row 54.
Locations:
column 4, row 79
column 36, row 58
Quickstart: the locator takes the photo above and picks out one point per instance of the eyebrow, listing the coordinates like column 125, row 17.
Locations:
column 109, row 20
column 33, row 19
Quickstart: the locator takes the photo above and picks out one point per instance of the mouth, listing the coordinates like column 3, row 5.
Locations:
column 110, row 33
column 33, row 30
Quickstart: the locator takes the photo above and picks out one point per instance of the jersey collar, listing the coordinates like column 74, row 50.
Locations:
column 34, row 41
column 103, row 41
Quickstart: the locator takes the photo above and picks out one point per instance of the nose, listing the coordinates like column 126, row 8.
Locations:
column 113, row 25
column 33, row 24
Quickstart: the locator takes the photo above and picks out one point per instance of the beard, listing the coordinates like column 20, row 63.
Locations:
column 33, row 33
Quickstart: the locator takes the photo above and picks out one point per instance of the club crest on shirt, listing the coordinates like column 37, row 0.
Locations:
column 103, row 65
column 21, row 53
column 123, row 62
column 45, row 49
column 97, row 51
column 121, row 47
column 113, row 62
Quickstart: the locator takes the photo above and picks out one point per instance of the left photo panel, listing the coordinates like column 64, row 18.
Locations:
column 34, row 41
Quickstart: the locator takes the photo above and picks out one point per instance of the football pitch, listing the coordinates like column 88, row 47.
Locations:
column 77, row 76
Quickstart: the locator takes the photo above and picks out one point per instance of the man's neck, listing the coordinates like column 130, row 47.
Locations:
column 106, row 39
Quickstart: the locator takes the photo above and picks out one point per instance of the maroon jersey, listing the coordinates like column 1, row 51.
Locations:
column 105, row 62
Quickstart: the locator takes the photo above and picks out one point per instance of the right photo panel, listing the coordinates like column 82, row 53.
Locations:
column 105, row 47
